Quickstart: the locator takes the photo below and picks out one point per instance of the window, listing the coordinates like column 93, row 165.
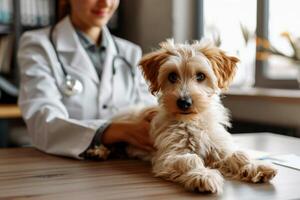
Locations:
column 279, row 22
column 223, row 23
column 227, row 22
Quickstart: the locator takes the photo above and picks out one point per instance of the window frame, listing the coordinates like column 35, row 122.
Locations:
column 262, row 31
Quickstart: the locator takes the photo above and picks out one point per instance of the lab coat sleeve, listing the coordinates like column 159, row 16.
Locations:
column 47, row 119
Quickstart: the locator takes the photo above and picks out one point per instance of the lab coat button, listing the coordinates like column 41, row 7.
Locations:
column 104, row 106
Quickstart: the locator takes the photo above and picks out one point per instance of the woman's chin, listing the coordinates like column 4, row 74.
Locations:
column 99, row 22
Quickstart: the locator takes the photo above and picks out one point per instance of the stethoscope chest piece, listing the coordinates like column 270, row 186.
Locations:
column 72, row 86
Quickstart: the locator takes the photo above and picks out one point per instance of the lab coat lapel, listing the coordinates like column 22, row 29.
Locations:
column 107, row 76
column 68, row 44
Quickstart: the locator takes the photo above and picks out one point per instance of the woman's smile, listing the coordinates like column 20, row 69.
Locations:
column 100, row 12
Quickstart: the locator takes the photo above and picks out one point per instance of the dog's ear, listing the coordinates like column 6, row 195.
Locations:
column 150, row 64
column 224, row 66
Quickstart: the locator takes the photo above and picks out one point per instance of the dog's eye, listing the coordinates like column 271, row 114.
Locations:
column 172, row 77
column 200, row 76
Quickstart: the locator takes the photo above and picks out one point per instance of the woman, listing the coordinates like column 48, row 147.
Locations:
column 69, row 121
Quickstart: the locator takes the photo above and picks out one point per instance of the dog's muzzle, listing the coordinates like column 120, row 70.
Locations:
column 184, row 103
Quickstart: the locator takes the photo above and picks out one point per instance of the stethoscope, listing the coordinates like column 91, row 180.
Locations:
column 72, row 86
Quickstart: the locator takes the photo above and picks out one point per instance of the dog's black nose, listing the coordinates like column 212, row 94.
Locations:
column 184, row 103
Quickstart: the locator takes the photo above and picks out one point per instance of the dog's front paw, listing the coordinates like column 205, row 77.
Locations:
column 258, row 172
column 204, row 180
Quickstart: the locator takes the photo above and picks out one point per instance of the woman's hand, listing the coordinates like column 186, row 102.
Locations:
column 135, row 133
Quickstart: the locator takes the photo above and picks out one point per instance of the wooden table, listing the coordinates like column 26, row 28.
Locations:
column 26, row 173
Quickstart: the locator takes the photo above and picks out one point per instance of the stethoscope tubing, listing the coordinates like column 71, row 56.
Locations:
column 117, row 56
column 55, row 51
column 68, row 76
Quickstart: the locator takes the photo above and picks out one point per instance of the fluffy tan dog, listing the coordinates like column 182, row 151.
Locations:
column 189, row 130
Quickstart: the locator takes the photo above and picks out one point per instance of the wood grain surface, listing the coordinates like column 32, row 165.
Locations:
column 26, row 173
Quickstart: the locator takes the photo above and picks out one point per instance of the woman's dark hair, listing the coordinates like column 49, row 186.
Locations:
column 64, row 8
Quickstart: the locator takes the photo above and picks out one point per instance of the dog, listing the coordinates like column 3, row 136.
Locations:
column 193, row 147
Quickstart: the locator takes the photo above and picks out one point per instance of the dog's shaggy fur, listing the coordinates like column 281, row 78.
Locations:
column 189, row 130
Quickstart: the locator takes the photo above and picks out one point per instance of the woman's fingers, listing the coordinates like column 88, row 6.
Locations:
column 140, row 145
column 146, row 142
column 139, row 135
column 150, row 115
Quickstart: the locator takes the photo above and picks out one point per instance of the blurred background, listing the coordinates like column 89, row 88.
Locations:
column 264, row 34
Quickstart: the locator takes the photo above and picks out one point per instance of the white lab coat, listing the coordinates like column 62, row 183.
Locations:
column 64, row 125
